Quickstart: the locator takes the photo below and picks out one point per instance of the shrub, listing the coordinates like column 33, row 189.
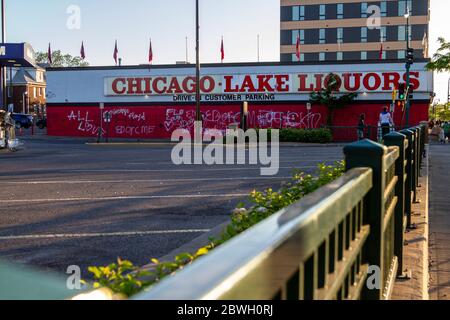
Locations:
column 126, row 279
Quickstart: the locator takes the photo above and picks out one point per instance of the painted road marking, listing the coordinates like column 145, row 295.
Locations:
column 185, row 196
column 106, row 234
column 39, row 182
column 177, row 170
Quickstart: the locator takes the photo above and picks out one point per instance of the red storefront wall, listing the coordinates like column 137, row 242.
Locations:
column 158, row 122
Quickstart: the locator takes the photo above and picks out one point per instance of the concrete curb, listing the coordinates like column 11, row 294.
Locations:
column 415, row 254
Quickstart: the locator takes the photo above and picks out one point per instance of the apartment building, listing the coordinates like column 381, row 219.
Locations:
column 352, row 30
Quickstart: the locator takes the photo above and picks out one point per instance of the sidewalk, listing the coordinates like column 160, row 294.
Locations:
column 439, row 222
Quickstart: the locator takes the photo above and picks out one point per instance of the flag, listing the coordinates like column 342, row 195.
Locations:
column 297, row 50
column 116, row 53
column 222, row 51
column 82, row 53
column 381, row 51
column 150, row 53
column 49, row 54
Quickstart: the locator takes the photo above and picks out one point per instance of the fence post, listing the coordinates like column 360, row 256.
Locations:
column 366, row 153
column 398, row 140
column 409, row 175
column 416, row 162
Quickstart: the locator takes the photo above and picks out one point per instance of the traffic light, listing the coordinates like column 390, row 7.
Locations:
column 410, row 56
column 401, row 91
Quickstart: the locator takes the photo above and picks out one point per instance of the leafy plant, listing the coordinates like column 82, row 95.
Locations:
column 331, row 97
column 441, row 59
column 125, row 278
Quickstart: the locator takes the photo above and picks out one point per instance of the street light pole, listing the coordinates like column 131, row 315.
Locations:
column 408, row 68
column 3, row 68
column 198, row 115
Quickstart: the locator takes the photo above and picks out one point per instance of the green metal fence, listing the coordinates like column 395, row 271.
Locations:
column 323, row 246
column 329, row 245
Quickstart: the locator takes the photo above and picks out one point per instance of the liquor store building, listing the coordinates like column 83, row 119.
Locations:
column 150, row 102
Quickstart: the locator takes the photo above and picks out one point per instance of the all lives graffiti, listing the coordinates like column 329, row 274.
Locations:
column 161, row 121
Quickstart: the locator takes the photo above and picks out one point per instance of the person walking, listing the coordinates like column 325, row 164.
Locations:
column 385, row 122
column 361, row 126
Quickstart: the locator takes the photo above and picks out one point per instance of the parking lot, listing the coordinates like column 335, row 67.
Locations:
column 63, row 202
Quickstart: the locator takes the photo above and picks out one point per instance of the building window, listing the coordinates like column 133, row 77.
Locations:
column 295, row 59
column 403, row 6
column 34, row 92
column 401, row 54
column 383, row 7
column 383, row 34
column 364, row 10
column 322, row 14
column 340, row 56
column 383, row 55
column 363, row 55
column 322, row 56
column 364, row 34
column 298, row 13
column 300, row 33
column 340, row 11
column 401, row 33
column 322, row 36
column 340, row 35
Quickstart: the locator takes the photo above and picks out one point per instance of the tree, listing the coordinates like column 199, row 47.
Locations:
column 61, row 60
column 441, row 59
column 440, row 112
column 331, row 97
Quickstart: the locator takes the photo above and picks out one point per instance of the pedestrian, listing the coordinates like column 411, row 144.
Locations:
column 385, row 122
column 446, row 128
column 361, row 126
column 441, row 135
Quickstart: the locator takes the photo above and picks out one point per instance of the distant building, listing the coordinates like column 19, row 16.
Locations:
column 345, row 30
column 27, row 89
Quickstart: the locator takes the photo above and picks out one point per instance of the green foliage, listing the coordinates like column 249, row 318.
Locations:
column 441, row 59
column 127, row 279
column 440, row 112
column 331, row 98
column 61, row 60
column 306, row 135
column 299, row 135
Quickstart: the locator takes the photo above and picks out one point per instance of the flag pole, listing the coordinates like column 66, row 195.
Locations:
column 258, row 47
column 187, row 58
column 198, row 116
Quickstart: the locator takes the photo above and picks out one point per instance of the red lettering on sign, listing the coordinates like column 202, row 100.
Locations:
column 263, row 83
column 147, row 89
column 228, row 88
column 211, row 84
column 156, row 89
column 247, row 85
column 189, row 85
column 115, row 86
column 391, row 80
column 134, row 85
column 302, row 86
column 376, row 84
column 357, row 81
column 174, row 86
column 413, row 79
column 319, row 78
column 282, row 82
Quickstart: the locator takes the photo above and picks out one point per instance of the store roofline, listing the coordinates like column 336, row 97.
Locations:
column 237, row 64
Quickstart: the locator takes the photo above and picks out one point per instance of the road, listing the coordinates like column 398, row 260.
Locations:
column 63, row 202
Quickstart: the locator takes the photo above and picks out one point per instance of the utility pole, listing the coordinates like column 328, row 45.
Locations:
column 3, row 68
column 187, row 57
column 198, row 115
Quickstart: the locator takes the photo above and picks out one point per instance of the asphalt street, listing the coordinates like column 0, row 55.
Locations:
column 63, row 202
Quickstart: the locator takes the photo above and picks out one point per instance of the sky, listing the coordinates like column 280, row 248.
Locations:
column 65, row 23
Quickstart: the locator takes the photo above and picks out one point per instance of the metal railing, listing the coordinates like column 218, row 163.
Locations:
column 322, row 246
column 325, row 246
